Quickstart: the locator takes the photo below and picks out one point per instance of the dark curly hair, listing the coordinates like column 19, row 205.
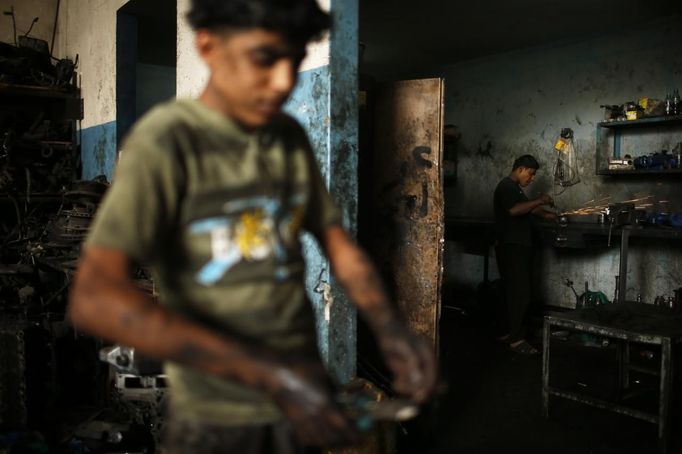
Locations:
column 298, row 20
column 527, row 161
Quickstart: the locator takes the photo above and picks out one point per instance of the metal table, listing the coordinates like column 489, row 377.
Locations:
column 591, row 235
column 625, row 322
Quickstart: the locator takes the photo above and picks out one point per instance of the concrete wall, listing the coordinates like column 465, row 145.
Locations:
column 88, row 28
column 25, row 11
column 516, row 103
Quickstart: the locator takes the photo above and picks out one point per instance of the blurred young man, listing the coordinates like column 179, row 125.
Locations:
column 514, row 245
column 212, row 194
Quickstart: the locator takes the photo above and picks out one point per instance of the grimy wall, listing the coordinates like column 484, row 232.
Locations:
column 88, row 29
column 516, row 103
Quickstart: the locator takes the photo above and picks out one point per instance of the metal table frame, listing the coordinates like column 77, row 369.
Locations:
column 624, row 338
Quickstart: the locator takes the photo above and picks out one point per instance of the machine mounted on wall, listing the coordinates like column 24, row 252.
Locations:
column 566, row 166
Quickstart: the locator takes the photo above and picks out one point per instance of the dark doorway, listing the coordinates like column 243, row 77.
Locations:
column 146, row 37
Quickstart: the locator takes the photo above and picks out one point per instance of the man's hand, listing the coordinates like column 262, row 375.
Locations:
column 523, row 208
column 304, row 393
column 411, row 360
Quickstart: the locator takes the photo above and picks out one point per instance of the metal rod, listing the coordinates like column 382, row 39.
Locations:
column 623, row 267
column 54, row 29
column 665, row 394
column 604, row 405
column 546, row 338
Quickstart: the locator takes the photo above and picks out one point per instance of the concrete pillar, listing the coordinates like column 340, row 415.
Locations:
column 325, row 102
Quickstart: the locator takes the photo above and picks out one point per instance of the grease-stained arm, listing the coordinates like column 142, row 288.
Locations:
column 105, row 302
column 410, row 358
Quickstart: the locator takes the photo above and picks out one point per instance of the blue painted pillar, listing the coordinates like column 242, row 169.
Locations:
column 325, row 102
column 343, row 171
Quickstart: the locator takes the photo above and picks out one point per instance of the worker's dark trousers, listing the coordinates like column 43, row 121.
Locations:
column 514, row 264
column 192, row 437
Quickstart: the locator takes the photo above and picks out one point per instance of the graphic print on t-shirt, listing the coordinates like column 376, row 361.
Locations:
column 251, row 230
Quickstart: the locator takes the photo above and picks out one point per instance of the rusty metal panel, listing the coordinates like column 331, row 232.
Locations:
column 408, row 197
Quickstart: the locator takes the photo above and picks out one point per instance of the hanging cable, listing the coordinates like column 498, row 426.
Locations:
column 35, row 19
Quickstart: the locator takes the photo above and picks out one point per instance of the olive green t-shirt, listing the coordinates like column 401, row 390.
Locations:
column 216, row 212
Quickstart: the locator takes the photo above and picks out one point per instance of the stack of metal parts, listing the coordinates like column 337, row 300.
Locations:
column 29, row 60
column 69, row 228
column 37, row 129
column 41, row 363
column 139, row 388
column 13, row 410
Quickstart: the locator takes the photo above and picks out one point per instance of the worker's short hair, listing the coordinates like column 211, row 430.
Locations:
column 300, row 21
column 527, row 161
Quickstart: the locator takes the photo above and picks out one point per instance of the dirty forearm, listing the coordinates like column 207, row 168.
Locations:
column 525, row 207
column 118, row 311
column 360, row 281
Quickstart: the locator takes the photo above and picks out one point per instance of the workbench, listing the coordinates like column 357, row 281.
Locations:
column 625, row 323
column 592, row 234
column 478, row 236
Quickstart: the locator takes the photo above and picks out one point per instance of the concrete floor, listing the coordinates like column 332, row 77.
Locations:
column 493, row 401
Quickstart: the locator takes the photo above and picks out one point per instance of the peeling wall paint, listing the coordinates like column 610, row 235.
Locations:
column 516, row 103
column 343, row 163
column 88, row 28
column 100, row 142
column 325, row 103
column 309, row 104
column 192, row 73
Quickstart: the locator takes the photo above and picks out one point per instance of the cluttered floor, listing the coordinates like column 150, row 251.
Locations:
column 493, row 397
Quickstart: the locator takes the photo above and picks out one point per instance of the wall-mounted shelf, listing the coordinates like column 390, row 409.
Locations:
column 639, row 172
column 34, row 90
column 615, row 129
column 653, row 121
column 56, row 103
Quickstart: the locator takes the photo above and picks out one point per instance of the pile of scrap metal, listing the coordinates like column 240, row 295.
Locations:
column 46, row 368
column 40, row 246
column 42, row 362
column 29, row 61
column 37, row 155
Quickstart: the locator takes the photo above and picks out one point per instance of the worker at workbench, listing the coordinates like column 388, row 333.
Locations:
column 514, row 241
column 213, row 193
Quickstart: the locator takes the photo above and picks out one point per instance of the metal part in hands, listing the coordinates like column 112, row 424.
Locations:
column 305, row 398
column 365, row 411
